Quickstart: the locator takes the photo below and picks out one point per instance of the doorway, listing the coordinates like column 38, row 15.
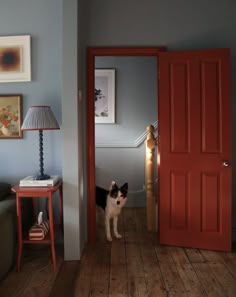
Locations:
column 194, row 114
column 92, row 54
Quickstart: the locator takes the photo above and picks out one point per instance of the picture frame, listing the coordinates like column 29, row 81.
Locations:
column 15, row 58
column 10, row 116
column 104, row 96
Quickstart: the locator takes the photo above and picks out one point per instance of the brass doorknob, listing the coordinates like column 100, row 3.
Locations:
column 225, row 163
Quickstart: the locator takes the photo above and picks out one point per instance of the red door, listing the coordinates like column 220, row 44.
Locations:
column 194, row 112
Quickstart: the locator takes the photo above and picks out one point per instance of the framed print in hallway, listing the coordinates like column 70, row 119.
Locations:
column 104, row 96
column 10, row 116
column 15, row 64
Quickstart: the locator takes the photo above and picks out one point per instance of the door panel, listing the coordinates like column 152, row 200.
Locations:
column 194, row 114
column 211, row 104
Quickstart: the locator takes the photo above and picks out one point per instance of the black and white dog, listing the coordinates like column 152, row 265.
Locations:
column 112, row 201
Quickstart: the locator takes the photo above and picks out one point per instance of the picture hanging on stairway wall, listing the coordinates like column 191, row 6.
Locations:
column 15, row 64
column 104, row 96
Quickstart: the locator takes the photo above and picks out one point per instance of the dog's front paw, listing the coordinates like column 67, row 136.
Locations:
column 109, row 238
column 118, row 236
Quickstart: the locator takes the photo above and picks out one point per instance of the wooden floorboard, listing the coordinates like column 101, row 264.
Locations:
column 140, row 267
column 134, row 266
column 36, row 277
column 64, row 284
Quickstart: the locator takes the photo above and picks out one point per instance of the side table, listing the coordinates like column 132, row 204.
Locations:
column 38, row 192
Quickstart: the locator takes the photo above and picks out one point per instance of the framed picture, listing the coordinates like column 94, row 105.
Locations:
column 15, row 64
column 10, row 116
column 104, row 96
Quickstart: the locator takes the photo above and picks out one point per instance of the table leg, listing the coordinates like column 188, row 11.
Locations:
column 52, row 235
column 61, row 206
column 19, row 224
column 34, row 204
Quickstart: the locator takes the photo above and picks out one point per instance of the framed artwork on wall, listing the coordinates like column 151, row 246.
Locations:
column 10, row 116
column 15, row 60
column 104, row 96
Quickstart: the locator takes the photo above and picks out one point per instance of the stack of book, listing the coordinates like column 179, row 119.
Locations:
column 30, row 181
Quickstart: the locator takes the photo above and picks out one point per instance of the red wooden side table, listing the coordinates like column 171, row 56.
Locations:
column 38, row 192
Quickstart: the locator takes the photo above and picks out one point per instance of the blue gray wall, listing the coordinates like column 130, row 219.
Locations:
column 54, row 27
column 120, row 147
column 42, row 20
column 74, row 127
column 20, row 157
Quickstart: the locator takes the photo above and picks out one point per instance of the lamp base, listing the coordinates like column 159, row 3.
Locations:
column 42, row 177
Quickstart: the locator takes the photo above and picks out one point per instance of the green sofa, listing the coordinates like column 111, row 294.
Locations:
column 8, row 226
column 8, row 231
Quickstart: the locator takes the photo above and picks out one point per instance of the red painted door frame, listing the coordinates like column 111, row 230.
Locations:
column 91, row 54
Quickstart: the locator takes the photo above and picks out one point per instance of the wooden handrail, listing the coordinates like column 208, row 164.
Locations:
column 149, row 178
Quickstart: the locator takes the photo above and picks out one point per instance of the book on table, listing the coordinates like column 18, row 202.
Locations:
column 30, row 181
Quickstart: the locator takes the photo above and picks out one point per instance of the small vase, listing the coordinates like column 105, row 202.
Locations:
column 6, row 131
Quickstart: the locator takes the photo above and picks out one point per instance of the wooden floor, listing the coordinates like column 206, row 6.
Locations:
column 36, row 277
column 138, row 266
column 134, row 266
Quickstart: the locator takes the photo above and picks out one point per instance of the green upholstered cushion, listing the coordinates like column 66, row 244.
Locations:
column 8, row 241
column 5, row 190
column 7, row 205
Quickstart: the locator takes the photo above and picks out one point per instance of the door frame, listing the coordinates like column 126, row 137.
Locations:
column 92, row 52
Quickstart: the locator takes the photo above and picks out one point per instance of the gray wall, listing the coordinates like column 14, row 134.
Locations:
column 178, row 25
column 20, row 157
column 55, row 53
column 135, row 108
column 74, row 134
column 70, row 131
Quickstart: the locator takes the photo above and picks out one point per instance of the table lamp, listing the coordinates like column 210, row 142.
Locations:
column 40, row 118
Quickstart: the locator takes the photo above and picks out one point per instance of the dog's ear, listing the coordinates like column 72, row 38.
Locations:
column 113, row 185
column 124, row 188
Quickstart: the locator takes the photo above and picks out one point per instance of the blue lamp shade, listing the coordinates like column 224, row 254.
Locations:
column 40, row 118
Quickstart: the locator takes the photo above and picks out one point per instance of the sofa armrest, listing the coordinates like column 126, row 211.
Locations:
column 5, row 190
column 8, row 204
